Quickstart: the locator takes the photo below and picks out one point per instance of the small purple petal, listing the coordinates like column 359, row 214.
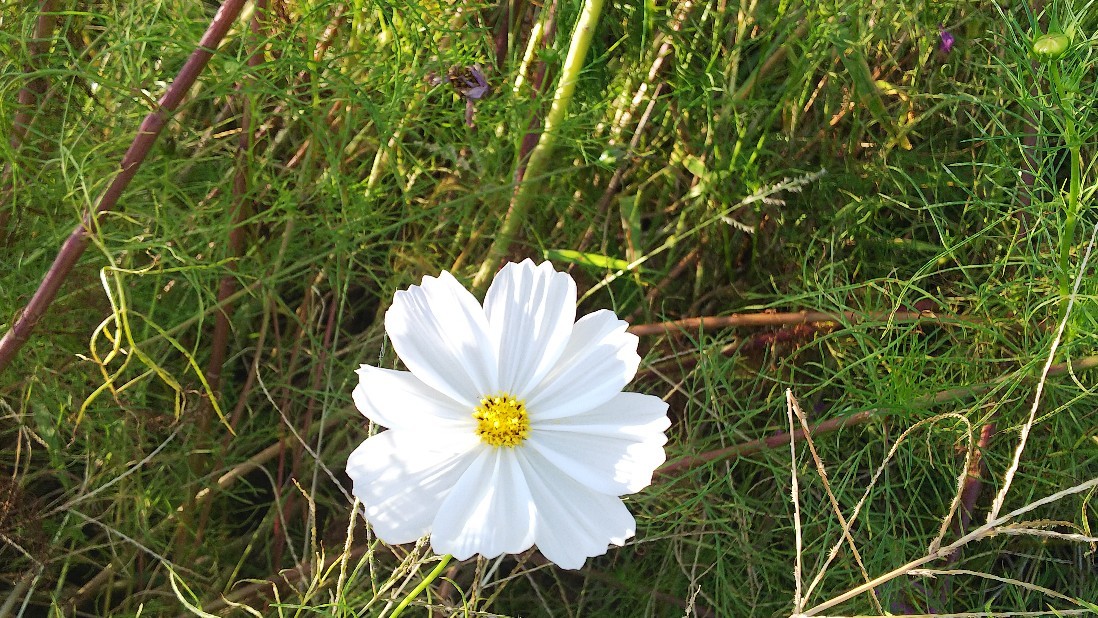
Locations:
column 479, row 76
column 481, row 89
column 947, row 40
column 475, row 92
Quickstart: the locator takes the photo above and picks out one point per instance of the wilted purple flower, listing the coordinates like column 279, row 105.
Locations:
column 469, row 81
column 947, row 40
column 475, row 91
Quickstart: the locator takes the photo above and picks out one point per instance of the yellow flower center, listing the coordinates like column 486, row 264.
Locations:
column 502, row 420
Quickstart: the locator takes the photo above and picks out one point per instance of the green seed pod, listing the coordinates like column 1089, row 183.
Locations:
column 1051, row 46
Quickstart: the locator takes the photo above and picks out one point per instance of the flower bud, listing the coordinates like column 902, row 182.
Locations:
column 1051, row 46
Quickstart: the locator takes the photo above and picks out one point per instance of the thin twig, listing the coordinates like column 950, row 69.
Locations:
column 241, row 205
column 798, row 542
column 694, row 325
column 881, row 468
column 649, row 83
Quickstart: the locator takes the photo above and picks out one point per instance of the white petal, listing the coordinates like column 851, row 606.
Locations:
column 531, row 311
column 489, row 512
column 631, row 414
column 573, row 523
column 441, row 333
column 599, row 360
column 613, row 449
column 399, row 400
column 402, row 479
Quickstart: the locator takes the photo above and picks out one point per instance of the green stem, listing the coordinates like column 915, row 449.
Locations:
column 1074, row 187
column 432, row 576
column 1070, row 222
column 530, row 185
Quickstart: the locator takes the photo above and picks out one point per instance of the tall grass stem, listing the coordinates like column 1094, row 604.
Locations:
column 531, row 183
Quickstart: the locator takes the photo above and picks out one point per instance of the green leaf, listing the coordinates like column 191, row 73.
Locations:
column 695, row 166
column 586, row 259
column 866, row 89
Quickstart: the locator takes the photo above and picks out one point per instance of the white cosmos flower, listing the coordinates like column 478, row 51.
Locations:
column 510, row 428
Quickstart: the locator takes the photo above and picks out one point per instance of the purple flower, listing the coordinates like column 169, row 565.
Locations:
column 947, row 40
column 469, row 81
column 477, row 89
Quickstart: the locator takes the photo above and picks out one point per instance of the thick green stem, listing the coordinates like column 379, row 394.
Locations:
column 432, row 576
column 532, row 183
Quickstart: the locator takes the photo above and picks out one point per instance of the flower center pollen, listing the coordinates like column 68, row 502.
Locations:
column 502, row 420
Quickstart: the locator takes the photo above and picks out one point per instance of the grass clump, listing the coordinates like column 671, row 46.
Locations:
column 822, row 220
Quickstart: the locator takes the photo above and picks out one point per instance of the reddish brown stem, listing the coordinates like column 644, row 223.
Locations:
column 763, row 444
column 241, row 206
column 310, row 406
column 305, row 316
column 29, row 98
column 281, row 511
column 537, row 79
column 784, row 319
column 970, row 491
column 149, row 130
column 28, row 95
column 970, row 494
column 503, row 33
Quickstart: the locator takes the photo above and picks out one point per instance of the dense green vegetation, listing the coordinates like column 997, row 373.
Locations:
column 173, row 433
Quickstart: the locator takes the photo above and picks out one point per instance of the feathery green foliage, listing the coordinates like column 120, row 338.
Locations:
column 716, row 158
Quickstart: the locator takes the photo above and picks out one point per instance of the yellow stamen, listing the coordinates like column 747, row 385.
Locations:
column 502, row 420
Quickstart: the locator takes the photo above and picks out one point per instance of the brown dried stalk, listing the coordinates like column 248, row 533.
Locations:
column 689, row 325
